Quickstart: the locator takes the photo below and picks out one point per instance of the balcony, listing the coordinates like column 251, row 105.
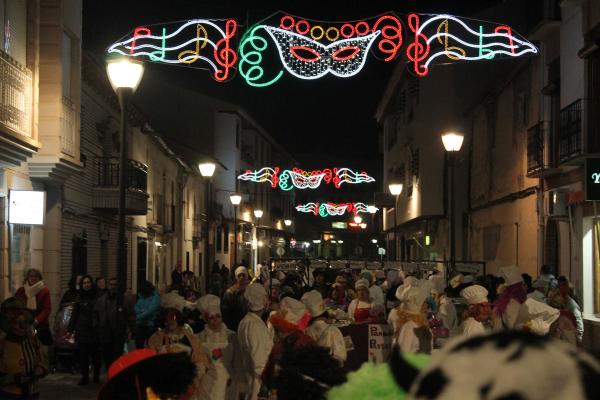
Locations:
column 16, row 93
column 106, row 191
column 540, row 153
column 570, row 136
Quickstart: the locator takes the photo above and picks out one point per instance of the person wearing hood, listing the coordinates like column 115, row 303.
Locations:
column 234, row 305
column 323, row 333
column 541, row 286
column 412, row 333
column 220, row 347
column 392, row 318
column 36, row 297
column 569, row 326
column 255, row 341
column 84, row 324
column 363, row 309
column 146, row 308
column 508, row 303
column 478, row 314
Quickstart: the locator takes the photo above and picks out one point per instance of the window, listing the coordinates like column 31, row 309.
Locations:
column 67, row 46
column 13, row 32
column 219, row 239
column 19, row 254
column 226, row 239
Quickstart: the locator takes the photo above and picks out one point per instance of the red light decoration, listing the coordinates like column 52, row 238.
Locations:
column 300, row 179
column 330, row 209
column 313, row 49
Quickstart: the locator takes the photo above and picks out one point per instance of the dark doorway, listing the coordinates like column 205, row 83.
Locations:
column 79, row 255
column 142, row 246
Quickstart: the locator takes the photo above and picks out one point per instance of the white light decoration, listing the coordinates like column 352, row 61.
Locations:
column 207, row 170
column 395, row 188
column 316, row 241
column 185, row 44
column 331, row 209
column 357, row 219
column 340, row 241
column 258, row 213
column 235, row 199
column 374, row 241
column 287, row 222
column 124, row 73
column 333, row 241
column 297, row 178
column 452, row 141
column 372, row 209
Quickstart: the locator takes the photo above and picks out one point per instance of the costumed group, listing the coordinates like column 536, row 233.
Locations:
column 273, row 337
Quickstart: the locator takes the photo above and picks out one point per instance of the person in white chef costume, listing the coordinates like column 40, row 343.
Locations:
column 220, row 346
column 479, row 310
column 254, row 338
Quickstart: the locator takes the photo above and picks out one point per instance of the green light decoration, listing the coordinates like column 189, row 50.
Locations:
column 251, row 59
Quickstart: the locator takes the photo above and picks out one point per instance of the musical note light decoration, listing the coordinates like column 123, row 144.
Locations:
column 330, row 209
column 311, row 50
column 297, row 178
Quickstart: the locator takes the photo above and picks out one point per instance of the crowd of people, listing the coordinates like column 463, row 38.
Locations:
column 246, row 334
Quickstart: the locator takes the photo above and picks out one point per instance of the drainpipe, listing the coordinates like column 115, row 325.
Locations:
column 541, row 227
column 517, row 244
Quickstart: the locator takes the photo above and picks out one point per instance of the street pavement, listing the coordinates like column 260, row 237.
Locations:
column 63, row 385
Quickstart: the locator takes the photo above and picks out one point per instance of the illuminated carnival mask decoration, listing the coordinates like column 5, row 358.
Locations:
column 299, row 179
column 330, row 209
column 311, row 50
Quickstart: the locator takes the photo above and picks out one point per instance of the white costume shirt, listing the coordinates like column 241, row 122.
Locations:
column 329, row 337
column 472, row 327
column 220, row 348
column 508, row 320
column 407, row 340
column 255, row 347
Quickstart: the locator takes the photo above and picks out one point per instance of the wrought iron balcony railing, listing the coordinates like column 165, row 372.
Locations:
column 570, row 136
column 108, row 173
column 16, row 90
column 539, row 149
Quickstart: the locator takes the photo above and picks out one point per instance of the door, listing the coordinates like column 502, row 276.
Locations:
column 79, row 255
column 142, row 258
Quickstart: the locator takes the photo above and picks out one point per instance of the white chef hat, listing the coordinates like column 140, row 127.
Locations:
column 209, row 305
column 361, row 283
column 292, row 310
column 511, row 275
column 241, row 270
column 172, row 300
column 412, row 298
column 313, row 302
column 475, row 294
column 256, row 295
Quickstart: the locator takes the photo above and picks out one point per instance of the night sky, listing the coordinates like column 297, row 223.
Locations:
column 317, row 117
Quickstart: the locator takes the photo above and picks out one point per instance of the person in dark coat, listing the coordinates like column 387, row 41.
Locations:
column 176, row 277
column 113, row 322
column 84, row 324
column 191, row 315
column 234, row 306
column 71, row 294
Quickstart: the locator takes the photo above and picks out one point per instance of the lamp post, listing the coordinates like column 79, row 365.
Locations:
column 207, row 170
column 452, row 143
column 395, row 189
column 124, row 76
column 258, row 214
column 235, row 199
column 357, row 221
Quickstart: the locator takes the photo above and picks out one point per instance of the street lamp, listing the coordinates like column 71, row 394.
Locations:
column 124, row 76
column 258, row 214
column 207, row 170
column 287, row 222
column 452, row 143
column 395, row 190
column 235, row 199
column 357, row 219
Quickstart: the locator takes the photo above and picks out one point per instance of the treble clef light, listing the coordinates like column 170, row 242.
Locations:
column 416, row 51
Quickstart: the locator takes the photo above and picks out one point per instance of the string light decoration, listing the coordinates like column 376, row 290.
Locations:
column 330, row 209
column 297, row 178
column 202, row 43
column 310, row 50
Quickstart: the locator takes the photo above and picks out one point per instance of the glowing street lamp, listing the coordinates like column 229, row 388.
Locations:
column 395, row 190
column 452, row 143
column 358, row 220
column 235, row 199
column 287, row 222
column 124, row 76
column 207, row 170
